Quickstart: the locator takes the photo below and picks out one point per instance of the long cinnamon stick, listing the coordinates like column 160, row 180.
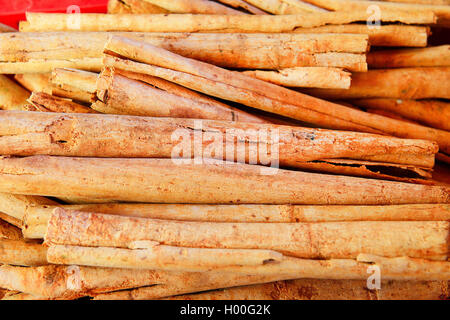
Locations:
column 324, row 240
column 160, row 257
column 252, row 51
column 37, row 217
column 197, row 23
column 102, row 136
column 147, row 180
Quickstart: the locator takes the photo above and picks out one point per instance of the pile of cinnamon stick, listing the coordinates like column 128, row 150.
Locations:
column 279, row 149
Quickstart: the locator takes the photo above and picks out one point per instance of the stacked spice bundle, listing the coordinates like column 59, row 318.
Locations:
column 149, row 155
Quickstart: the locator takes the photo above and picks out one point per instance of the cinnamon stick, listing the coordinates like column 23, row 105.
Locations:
column 145, row 180
column 115, row 136
column 37, row 217
column 37, row 22
column 310, row 77
column 251, row 51
column 160, row 257
column 344, row 240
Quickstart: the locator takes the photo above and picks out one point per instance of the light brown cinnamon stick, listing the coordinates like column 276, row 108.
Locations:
column 310, row 77
column 252, row 51
column 160, row 257
column 426, row 240
column 37, row 217
column 37, row 22
column 146, row 180
column 26, row 134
